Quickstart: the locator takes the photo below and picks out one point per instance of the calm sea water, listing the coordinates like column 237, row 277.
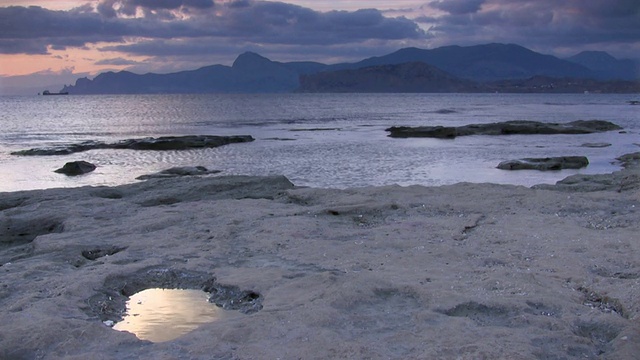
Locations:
column 320, row 140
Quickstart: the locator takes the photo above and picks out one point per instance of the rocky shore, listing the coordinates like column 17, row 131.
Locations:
column 467, row 271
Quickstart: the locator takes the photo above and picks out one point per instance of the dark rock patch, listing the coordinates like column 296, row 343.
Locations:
column 107, row 193
column 615, row 274
column 316, row 129
column 10, row 203
column 169, row 200
column 75, row 168
column 280, row 139
column 445, row 111
column 542, row 309
column 158, row 144
column 109, row 303
column 599, row 333
column 516, row 127
column 231, row 297
column 484, row 315
column 603, row 303
column 16, row 231
column 545, row 164
column 98, row 252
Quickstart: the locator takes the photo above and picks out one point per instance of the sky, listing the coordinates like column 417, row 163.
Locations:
column 62, row 40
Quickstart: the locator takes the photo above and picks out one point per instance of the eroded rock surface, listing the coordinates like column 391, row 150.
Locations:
column 462, row 271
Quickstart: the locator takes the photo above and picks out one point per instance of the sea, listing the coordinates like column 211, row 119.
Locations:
column 316, row 140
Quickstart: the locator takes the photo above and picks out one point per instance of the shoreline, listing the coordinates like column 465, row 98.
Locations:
column 465, row 270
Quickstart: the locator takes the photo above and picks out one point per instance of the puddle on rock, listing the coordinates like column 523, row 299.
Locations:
column 161, row 315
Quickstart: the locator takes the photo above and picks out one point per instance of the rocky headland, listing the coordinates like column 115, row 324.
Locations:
column 460, row 271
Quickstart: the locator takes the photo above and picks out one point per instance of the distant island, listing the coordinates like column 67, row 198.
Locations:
column 482, row 68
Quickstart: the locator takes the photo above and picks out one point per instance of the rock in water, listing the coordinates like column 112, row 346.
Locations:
column 544, row 164
column 158, row 144
column 517, row 127
column 596, row 145
column 76, row 168
column 179, row 171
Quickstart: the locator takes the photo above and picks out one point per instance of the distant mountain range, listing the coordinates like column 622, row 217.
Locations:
column 479, row 68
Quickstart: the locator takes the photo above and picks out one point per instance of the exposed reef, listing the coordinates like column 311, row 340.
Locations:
column 160, row 143
column 516, row 127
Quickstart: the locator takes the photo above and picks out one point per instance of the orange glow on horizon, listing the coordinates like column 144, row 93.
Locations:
column 79, row 60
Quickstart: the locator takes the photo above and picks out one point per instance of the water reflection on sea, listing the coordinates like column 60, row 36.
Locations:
column 320, row 140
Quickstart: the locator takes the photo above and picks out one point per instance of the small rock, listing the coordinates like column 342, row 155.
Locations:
column 109, row 323
column 76, row 168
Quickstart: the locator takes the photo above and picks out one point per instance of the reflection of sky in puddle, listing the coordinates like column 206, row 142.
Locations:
column 165, row 314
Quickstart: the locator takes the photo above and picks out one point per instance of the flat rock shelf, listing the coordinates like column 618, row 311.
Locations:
column 460, row 271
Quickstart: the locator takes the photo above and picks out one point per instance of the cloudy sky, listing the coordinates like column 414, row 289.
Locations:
column 69, row 38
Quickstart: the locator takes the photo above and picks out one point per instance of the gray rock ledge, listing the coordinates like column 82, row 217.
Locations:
column 516, row 127
column 150, row 143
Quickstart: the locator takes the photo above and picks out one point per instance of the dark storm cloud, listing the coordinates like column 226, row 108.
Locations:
column 170, row 4
column 194, row 27
column 542, row 24
column 30, row 30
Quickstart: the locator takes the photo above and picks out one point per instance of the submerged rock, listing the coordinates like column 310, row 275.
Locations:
column 517, row 127
column 75, row 168
column 596, row 145
column 544, row 164
column 160, row 143
column 179, row 171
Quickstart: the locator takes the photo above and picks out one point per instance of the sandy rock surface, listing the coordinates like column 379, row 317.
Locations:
column 468, row 271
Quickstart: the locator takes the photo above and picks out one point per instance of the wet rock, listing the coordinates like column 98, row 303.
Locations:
column 545, row 164
column 517, row 127
column 625, row 180
column 75, row 168
column 179, row 171
column 440, row 132
column 160, row 143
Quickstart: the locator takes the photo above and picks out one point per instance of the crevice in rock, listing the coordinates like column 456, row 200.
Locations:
column 98, row 252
